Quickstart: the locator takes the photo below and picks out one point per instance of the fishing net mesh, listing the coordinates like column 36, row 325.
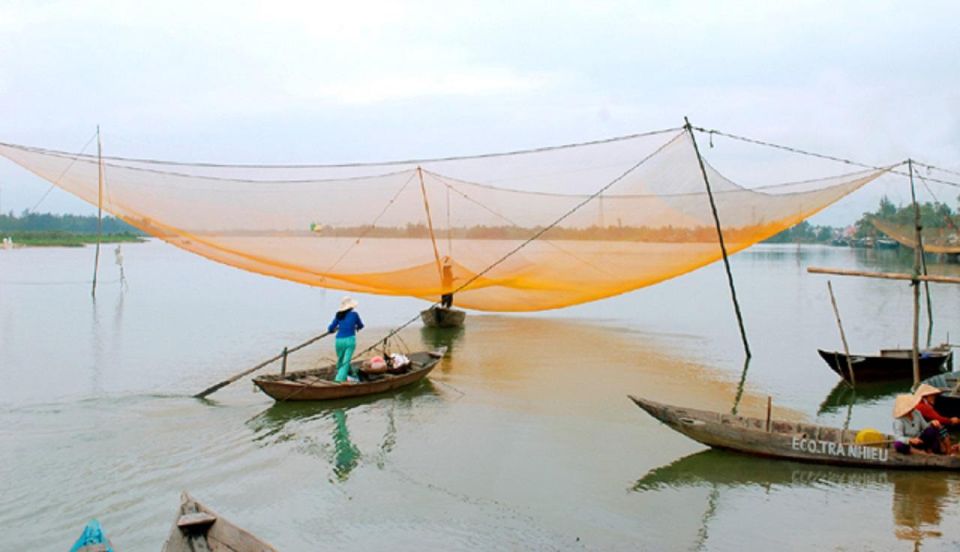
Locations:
column 618, row 215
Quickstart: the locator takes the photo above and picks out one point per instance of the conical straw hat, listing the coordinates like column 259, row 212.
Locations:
column 904, row 404
column 925, row 390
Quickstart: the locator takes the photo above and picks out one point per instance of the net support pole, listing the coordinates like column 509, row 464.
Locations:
column 843, row 336
column 723, row 247
column 96, row 255
column 426, row 207
column 915, row 282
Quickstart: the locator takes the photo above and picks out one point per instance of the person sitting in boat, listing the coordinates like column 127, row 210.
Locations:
column 346, row 323
column 446, row 282
column 925, row 407
column 911, row 432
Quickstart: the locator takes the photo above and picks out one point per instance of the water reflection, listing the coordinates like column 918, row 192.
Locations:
column 918, row 498
column 346, row 454
column 441, row 337
column 843, row 395
column 303, row 423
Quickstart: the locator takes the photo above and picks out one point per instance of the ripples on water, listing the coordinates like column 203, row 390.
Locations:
column 522, row 439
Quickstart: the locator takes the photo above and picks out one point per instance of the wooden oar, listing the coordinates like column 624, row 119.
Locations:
column 249, row 371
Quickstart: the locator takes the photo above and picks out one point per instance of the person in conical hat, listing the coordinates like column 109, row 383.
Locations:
column 913, row 434
column 927, row 408
column 346, row 323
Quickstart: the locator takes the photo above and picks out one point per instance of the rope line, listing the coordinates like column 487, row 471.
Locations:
column 359, row 164
column 59, row 178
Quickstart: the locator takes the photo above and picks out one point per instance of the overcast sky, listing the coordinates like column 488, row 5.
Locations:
column 280, row 82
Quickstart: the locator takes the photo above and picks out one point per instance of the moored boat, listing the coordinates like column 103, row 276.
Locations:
column 442, row 317
column 890, row 364
column 318, row 384
column 789, row 440
column 200, row 528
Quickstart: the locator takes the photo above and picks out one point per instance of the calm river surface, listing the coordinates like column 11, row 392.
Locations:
column 523, row 439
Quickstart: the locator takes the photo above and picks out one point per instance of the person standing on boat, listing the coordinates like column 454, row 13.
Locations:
column 446, row 282
column 911, row 432
column 346, row 323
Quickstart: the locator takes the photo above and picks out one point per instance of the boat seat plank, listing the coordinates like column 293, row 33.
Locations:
column 195, row 520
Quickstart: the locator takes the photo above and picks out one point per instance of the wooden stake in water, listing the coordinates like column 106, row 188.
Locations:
column 843, row 337
column 96, row 255
column 917, row 252
column 723, row 247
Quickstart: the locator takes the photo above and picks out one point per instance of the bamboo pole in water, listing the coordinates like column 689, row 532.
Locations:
column 96, row 255
column 723, row 247
column 843, row 337
column 917, row 252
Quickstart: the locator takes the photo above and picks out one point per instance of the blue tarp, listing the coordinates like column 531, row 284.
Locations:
column 92, row 534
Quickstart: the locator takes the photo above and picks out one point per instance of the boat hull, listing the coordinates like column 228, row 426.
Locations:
column 316, row 385
column 889, row 365
column 439, row 317
column 788, row 440
column 221, row 534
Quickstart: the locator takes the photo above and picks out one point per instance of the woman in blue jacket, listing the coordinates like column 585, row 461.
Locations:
column 346, row 323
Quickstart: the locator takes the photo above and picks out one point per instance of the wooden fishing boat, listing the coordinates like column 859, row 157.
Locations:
column 890, row 364
column 200, row 528
column 442, row 317
column 93, row 539
column 948, row 402
column 318, row 384
column 789, row 440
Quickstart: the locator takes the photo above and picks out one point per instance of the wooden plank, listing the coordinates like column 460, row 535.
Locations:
column 885, row 275
column 195, row 520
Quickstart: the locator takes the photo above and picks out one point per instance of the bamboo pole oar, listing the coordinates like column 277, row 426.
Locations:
column 249, row 371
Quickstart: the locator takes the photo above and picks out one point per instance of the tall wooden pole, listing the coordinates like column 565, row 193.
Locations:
column 843, row 336
column 96, row 256
column 917, row 252
column 723, row 247
column 426, row 207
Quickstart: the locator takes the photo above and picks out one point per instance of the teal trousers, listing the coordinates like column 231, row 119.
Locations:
column 344, row 347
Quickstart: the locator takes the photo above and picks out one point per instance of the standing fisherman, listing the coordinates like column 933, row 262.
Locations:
column 446, row 282
column 346, row 323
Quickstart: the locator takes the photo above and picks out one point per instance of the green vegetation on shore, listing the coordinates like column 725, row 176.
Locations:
column 47, row 229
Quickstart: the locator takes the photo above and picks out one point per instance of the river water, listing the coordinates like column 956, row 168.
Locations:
column 523, row 438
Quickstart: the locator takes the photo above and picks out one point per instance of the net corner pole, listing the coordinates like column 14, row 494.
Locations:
column 723, row 248
column 96, row 255
column 915, row 281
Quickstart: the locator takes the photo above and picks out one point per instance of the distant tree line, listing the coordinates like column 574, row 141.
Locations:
column 932, row 215
column 71, row 224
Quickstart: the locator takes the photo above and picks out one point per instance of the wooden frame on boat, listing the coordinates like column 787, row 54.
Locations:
column 318, row 384
column 790, row 440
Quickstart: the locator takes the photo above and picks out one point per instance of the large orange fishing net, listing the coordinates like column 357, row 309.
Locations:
column 620, row 214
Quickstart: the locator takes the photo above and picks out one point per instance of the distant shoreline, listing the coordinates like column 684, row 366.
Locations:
column 58, row 238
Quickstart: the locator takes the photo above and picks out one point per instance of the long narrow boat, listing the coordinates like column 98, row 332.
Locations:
column 318, row 384
column 442, row 317
column 200, row 528
column 789, row 440
column 890, row 364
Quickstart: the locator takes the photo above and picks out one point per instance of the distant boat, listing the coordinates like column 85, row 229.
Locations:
column 93, row 539
column 318, row 384
column 200, row 528
column 790, row 440
column 890, row 364
column 442, row 317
